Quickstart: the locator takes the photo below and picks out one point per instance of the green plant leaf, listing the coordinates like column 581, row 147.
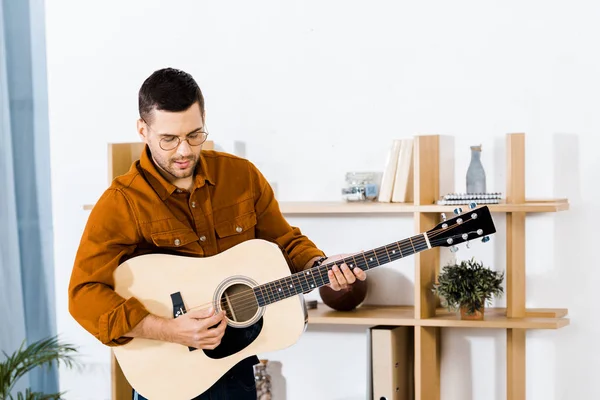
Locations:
column 469, row 284
column 42, row 353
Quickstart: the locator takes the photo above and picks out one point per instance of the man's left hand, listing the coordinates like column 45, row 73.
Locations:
column 342, row 278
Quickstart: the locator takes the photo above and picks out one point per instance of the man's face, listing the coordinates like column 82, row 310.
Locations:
column 163, row 131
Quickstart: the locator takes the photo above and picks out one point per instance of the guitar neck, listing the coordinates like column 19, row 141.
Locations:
column 310, row 279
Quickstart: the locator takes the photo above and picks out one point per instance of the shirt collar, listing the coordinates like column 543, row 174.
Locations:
column 165, row 188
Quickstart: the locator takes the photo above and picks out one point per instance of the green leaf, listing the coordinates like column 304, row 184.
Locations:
column 468, row 283
column 40, row 354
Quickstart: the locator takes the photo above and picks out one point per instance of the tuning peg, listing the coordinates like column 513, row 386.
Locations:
column 472, row 205
column 443, row 216
column 485, row 239
column 453, row 249
column 457, row 210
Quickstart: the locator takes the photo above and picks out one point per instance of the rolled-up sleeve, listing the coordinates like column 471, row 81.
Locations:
column 271, row 225
column 111, row 233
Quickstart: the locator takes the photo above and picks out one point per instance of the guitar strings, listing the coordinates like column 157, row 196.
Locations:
column 248, row 294
column 250, row 299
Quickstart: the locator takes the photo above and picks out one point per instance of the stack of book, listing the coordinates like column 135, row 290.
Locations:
column 397, row 179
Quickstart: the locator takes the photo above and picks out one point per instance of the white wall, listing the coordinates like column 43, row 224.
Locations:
column 315, row 89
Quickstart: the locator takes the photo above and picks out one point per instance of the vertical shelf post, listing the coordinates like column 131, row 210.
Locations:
column 515, row 266
column 427, row 339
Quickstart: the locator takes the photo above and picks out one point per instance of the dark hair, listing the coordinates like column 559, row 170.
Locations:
column 168, row 89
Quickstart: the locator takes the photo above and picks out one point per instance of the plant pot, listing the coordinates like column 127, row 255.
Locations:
column 476, row 316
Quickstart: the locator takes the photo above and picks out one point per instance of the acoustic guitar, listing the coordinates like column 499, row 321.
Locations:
column 263, row 302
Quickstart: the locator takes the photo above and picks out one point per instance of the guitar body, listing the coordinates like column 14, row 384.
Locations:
column 162, row 370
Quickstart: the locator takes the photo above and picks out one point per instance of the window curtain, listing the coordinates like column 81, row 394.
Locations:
column 27, row 310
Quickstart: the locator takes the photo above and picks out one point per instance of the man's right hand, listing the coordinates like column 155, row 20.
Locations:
column 200, row 329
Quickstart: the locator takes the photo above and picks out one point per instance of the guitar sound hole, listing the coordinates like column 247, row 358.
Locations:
column 239, row 303
column 240, row 306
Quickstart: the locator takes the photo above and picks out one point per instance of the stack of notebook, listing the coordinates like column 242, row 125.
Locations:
column 452, row 199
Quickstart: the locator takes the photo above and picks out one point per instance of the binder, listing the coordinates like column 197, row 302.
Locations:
column 391, row 350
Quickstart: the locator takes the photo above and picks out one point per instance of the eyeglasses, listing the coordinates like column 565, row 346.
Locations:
column 171, row 142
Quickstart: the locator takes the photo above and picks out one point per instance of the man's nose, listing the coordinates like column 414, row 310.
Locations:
column 184, row 149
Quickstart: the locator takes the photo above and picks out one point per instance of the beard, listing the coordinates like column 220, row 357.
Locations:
column 177, row 167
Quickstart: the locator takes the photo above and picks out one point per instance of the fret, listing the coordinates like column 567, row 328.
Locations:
column 284, row 286
column 323, row 276
column 314, row 278
column 382, row 254
column 407, row 250
column 354, row 264
column 378, row 263
column 386, row 252
column 399, row 249
column 419, row 243
column 362, row 264
column 303, row 282
column 366, row 262
column 372, row 263
column 259, row 297
column 394, row 253
column 287, row 290
column 267, row 293
column 413, row 246
column 274, row 291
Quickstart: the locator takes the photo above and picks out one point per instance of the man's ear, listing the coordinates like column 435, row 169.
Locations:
column 142, row 130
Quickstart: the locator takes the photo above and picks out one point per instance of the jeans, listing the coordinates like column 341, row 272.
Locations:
column 237, row 384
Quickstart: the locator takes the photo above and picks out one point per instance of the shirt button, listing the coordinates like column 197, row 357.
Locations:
column 177, row 242
column 193, row 204
column 238, row 229
column 178, row 190
column 202, row 238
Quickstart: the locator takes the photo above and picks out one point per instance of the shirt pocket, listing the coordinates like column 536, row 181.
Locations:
column 178, row 241
column 235, row 230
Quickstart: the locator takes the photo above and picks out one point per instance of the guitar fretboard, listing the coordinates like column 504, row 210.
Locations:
column 310, row 279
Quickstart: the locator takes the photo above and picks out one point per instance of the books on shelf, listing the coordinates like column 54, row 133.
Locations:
column 397, row 179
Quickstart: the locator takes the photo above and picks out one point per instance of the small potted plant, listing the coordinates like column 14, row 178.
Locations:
column 468, row 286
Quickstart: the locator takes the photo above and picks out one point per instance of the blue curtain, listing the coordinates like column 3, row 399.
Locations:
column 26, row 260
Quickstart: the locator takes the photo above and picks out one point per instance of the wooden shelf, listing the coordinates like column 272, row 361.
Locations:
column 364, row 315
column 340, row 207
column 333, row 207
column 405, row 316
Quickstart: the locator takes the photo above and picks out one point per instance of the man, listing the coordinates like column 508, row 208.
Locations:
column 179, row 199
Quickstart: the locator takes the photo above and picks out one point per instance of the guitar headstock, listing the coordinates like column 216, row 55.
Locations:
column 476, row 223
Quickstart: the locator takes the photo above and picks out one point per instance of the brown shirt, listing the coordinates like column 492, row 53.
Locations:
column 141, row 212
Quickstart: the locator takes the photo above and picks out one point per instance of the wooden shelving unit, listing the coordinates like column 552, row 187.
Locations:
column 426, row 317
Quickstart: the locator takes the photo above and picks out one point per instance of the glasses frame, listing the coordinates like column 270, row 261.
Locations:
column 179, row 140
